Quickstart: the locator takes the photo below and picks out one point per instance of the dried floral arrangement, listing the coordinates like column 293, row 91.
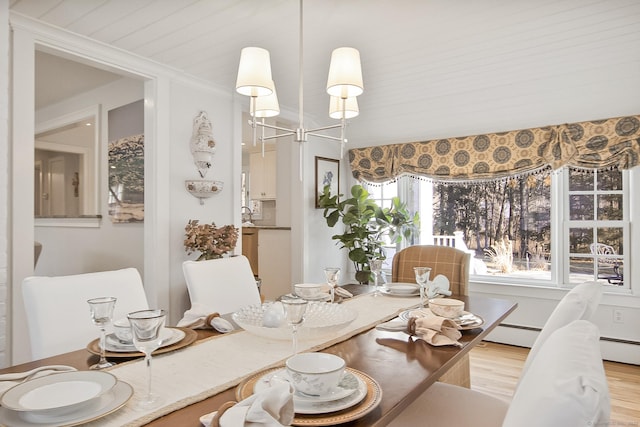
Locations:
column 212, row 242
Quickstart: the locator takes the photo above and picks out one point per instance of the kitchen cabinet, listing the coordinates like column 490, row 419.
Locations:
column 250, row 247
column 262, row 176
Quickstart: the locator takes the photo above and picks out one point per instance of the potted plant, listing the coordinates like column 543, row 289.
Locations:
column 367, row 225
column 212, row 242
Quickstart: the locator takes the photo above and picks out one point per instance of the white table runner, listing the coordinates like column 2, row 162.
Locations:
column 204, row 369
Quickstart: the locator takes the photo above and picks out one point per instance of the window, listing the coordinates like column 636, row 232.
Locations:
column 596, row 228
column 518, row 235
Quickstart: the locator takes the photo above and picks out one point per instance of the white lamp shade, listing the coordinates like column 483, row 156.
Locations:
column 254, row 72
column 266, row 106
column 350, row 107
column 345, row 73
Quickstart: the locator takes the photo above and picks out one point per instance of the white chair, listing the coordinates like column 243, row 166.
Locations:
column 565, row 386
column 222, row 285
column 580, row 303
column 57, row 311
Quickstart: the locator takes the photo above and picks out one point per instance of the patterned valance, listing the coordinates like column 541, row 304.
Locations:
column 597, row 144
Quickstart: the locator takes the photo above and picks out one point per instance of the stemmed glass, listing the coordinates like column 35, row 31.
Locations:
column 146, row 326
column 422, row 278
column 101, row 315
column 375, row 266
column 332, row 274
column 294, row 309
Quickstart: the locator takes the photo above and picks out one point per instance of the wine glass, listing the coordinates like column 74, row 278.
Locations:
column 146, row 326
column 294, row 309
column 101, row 315
column 332, row 274
column 375, row 265
column 422, row 277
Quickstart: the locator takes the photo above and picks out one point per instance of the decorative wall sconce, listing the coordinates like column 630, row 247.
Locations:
column 202, row 144
column 203, row 188
column 203, row 148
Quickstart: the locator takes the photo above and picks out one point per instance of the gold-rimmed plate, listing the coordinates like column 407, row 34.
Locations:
column 189, row 338
column 370, row 401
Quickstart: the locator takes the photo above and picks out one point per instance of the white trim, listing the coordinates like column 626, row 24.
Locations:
column 88, row 222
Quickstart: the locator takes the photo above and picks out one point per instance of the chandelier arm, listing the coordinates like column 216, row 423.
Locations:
column 324, row 128
column 267, row 125
column 267, row 138
column 320, row 135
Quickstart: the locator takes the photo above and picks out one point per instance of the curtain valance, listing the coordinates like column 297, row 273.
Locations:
column 597, row 144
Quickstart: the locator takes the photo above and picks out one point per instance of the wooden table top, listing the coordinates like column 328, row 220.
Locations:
column 403, row 366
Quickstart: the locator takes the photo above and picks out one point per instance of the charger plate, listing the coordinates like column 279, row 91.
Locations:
column 190, row 337
column 359, row 410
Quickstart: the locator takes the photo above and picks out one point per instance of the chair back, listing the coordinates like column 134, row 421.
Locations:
column 58, row 317
column 450, row 262
column 222, row 285
column 580, row 303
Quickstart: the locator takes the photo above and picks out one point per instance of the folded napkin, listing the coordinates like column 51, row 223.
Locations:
column 197, row 317
column 272, row 407
column 9, row 380
column 337, row 290
column 435, row 330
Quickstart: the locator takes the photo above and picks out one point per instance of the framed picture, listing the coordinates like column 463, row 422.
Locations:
column 327, row 173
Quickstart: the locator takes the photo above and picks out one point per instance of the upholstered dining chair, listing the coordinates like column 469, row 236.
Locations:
column 452, row 263
column 57, row 311
column 222, row 285
column 565, row 386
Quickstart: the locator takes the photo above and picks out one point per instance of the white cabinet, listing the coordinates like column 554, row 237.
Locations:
column 262, row 176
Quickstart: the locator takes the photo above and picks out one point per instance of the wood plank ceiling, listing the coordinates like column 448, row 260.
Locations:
column 490, row 65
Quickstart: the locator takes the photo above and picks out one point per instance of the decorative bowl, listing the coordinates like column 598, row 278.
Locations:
column 446, row 307
column 203, row 188
column 320, row 319
column 315, row 374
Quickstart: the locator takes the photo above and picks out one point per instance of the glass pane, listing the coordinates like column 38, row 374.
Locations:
column 611, row 236
column 581, row 269
column 390, row 190
column 375, row 191
column 610, row 207
column 580, row 240
column 580, row 181
column 609, row 180
column 581, row 207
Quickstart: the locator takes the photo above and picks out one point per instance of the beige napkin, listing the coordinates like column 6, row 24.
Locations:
column 272, row 407
column 435, row 330
column 337, row 290
column 197, row 317
column 9, row 380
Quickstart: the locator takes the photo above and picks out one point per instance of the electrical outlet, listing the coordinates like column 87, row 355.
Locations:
column 618, row 316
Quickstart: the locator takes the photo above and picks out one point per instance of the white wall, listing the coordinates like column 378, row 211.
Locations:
column 4, row 176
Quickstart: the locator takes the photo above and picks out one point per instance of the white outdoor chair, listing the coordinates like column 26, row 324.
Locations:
column 565, row 386
column 57, row 311
column 222, row 285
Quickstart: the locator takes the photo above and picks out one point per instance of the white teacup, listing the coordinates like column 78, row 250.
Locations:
column 315, row 374
column 122, row 330
column 310, row 291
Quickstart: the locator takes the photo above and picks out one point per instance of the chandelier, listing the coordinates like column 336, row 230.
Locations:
column 344, row 84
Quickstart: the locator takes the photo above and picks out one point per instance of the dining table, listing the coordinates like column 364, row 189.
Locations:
column 402, row 365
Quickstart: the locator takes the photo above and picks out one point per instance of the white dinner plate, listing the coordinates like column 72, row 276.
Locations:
column 109, row 402
column 402, row 290
column 58, row 394
column 169, row 336
column 354, row 390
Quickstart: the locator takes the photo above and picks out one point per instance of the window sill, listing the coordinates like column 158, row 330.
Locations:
column 86, row 221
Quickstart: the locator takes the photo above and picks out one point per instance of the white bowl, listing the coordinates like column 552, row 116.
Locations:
column 446, row 307
column 312, row 291
column 315, row 374
column 320, row 319
column 122, row 331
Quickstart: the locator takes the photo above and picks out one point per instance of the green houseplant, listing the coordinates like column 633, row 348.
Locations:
column 366, row 226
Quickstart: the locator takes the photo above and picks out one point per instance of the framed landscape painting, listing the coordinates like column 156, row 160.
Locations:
column 327, row 173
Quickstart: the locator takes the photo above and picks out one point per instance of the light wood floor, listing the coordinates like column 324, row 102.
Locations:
column 495, row 370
